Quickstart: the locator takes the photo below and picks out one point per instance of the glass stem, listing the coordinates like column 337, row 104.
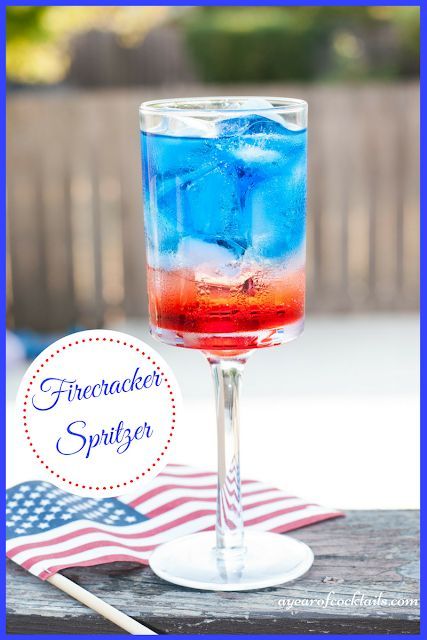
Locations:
column 227, row 372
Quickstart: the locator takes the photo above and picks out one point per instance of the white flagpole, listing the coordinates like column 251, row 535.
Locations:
column 93, row 602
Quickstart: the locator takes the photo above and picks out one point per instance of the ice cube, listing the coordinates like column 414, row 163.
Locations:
column 169, row 156
column 190, row 127
column 160, row 219
column 257, row 106
column 205, row 256
column 276, row 207
column 205, row 205
column 252, row 154
column 261, row 107
column 259, row 116
column 212, row 207
column 184, row 126
column 258, row 156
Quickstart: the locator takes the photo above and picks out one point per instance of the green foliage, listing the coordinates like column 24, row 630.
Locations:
column 24, row 23
column 39, row 39
column 254, row 44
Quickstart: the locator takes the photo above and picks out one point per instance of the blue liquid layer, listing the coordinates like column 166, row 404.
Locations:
column 244, row 190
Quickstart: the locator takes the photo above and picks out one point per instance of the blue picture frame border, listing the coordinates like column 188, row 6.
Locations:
column 423, row 268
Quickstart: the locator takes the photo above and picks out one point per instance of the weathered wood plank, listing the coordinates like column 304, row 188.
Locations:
column 130, row 175
column 25, row 219
column 54, row 226
column 368, row 552
column 411, row 233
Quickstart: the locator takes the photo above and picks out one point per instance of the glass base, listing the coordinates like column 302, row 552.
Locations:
column 229, row 343
column 268, row 559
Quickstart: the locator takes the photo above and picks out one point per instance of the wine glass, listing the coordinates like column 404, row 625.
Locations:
column 224, row 200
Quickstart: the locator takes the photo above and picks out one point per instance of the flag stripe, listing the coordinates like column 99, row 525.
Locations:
column 183, row 486
column 303, row 522
column 165, row 498
column 180, row 501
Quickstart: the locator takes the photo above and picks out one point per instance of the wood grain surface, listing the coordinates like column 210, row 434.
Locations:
column 374, row 553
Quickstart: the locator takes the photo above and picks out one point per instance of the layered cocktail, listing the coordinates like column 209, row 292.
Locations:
column 225, row 227
column 224, row 207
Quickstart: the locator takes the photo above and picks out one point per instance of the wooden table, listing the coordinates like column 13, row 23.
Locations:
column 368, row 552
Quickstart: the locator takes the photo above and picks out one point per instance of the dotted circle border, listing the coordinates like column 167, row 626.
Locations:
column 59, row 476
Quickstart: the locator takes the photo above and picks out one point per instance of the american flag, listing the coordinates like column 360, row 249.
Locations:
column 49, row 529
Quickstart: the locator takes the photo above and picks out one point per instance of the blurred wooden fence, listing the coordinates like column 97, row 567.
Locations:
column 75, row 245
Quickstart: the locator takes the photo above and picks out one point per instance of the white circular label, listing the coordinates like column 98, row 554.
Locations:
column 99, row 410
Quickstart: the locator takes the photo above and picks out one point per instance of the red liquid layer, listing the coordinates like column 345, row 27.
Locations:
column 184, row 302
